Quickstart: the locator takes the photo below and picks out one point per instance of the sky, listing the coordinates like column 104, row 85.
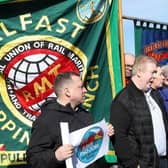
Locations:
column 155, row 10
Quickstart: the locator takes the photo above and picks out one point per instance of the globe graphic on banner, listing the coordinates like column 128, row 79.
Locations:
column 27, row 69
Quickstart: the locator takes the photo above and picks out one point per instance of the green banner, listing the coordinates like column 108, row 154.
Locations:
column 138, row 36
column 39, row 40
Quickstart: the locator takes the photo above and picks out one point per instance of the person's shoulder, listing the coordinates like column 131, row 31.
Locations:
column 50, row 103
column 128, row 93
column 50, row 100
column 47, row 110
column 123, row 92
column 164, row 89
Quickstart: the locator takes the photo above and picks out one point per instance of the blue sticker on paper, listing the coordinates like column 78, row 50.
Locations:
column 90, row 144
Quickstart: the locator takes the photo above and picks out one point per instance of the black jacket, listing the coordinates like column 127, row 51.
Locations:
column 134, row 137
column 46, row 135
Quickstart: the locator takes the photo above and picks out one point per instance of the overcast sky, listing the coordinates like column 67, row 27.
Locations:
column 155, row 10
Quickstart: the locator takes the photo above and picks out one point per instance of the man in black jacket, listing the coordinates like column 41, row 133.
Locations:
column 131, row 115
column 45, row 148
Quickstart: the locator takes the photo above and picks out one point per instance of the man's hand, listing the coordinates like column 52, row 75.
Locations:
column 64, row 152
column 110, row 129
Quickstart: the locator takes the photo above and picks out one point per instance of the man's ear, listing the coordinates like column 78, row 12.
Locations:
column 67, row 92
column 139, row 73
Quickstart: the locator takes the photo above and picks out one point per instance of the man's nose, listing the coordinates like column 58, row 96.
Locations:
column 84, row 89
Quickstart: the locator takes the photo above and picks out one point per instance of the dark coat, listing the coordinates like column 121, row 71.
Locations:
column 164, row 94
column 134, row 136
column 46, row 135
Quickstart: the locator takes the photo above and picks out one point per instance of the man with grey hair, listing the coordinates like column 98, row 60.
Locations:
column 135, row 120
column 129, row 62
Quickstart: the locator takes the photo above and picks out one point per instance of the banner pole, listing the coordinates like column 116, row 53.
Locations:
column 121, row 39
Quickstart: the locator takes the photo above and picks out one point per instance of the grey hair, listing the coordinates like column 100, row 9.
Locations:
column 140, row 63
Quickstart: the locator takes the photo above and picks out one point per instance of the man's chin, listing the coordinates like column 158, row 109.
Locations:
column 148, row 88
column 82, row 101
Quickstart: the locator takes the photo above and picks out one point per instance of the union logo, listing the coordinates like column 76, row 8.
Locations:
column 29, row 66
column 90, row 145
column 91, row 11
